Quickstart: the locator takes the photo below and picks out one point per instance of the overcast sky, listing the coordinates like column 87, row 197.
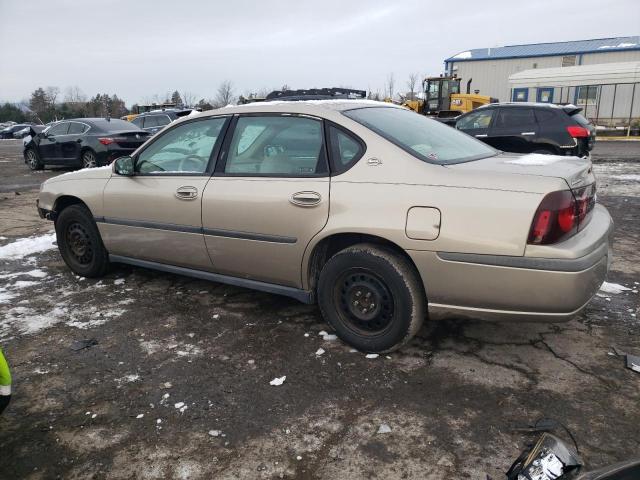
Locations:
column 138, row 49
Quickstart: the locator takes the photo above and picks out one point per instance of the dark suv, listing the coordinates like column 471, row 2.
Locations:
column 155, row 121
column 531, row 128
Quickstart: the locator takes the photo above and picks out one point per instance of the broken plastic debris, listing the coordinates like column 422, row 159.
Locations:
column 372, row 355
column 384, row 428
column 320, row 351
column 614, row 288
column 140, row 415
column 215, row 433
column 94, row 415
column 179, row 404
column 633, row 362
column 329, row 337
column 278, row 381
column 216, row 316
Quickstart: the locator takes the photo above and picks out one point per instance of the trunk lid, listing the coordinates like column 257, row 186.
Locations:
column 577, row 172
column 129, row 139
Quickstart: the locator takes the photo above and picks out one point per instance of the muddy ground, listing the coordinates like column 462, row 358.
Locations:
column 177, row 385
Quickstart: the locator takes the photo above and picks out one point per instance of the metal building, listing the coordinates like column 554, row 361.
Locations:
column 491, row 68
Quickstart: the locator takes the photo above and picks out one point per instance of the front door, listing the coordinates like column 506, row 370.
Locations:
column 476, row 123
column 156, row 214
column 70, row 143
column 268, row 198
column 49, row 148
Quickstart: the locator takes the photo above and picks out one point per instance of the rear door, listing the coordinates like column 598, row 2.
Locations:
column 514, row 129
column 49, row 148
column 156, row 215
column 268, row 197
column 476, row 123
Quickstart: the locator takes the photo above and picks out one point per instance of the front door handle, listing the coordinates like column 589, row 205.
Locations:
column 481, row 135
column 187, row 193
column 306, row 199
column 528, row 133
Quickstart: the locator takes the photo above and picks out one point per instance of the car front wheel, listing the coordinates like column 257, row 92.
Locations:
column 372, row 296
column 33, row 159
column 80, row 243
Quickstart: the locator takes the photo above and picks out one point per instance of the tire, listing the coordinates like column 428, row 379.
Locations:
column 89, row 159
column 80, row 243
column 33, row 159
column 393, row 304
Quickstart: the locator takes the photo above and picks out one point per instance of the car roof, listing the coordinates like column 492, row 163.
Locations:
column 317, row 107
column 525, row 104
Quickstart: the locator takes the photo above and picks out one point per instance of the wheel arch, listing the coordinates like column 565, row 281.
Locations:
column 65, row 201
column 323, row 249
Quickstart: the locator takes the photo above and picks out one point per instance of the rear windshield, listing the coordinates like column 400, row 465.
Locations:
column 578, row 117
column 114, row 125
column 422, row 137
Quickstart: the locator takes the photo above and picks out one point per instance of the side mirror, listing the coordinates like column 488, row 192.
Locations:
column 124, row 166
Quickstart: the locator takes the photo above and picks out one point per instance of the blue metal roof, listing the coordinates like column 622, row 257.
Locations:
column 596, row 45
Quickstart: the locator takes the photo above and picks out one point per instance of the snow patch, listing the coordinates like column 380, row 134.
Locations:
column 613, row 288
column 27, row 246
column 463, row 55
column 535, row 159
column 630, row 176
column 278, row 381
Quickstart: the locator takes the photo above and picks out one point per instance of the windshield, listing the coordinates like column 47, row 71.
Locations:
column 424, row 138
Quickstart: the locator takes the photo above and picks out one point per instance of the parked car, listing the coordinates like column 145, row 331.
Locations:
column 377, row 213
column 28, row 130
column 531, row 128
column 9, row 132
column 156, row 120
column 83, row 142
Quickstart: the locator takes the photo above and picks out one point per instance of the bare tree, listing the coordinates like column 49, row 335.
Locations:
column 390, row 85
column 224, row 96
column 74, row 95
column 52, row 95
column 411, row 85
column 188, row 98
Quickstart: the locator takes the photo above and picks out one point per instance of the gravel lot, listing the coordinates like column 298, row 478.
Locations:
column 177, row 385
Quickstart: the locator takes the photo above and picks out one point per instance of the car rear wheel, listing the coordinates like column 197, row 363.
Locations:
column 88, row 159
column 372, row 297
column 80, row 243
column 33, row 159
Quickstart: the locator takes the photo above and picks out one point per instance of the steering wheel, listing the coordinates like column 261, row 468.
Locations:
column 193, row 161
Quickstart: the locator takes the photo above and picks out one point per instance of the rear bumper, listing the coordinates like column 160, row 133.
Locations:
column 551, row 284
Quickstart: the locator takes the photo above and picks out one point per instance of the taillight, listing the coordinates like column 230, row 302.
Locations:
column 578, row 132
column 106, row 140
column 561, row 215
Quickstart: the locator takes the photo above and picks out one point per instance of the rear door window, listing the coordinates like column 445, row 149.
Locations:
column 138, row 122
column 76, row 128
column 277, row 145
column 514, row 119
column 59, row 129
column 476, row 120
column 163, row 120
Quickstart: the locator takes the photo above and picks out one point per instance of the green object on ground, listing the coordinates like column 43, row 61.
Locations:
column 5, row 373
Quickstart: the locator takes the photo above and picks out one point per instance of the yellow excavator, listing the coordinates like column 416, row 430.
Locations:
column 442, row 98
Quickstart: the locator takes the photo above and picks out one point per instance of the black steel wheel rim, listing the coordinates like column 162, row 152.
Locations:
column 363, row 301
column 79, row 243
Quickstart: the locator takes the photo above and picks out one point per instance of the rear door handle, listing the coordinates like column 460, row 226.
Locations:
column 187, row 193
column 481, row 135
column 306, row 199
column 528, row 133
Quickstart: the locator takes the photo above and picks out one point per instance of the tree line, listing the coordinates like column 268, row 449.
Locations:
column 49, row 103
